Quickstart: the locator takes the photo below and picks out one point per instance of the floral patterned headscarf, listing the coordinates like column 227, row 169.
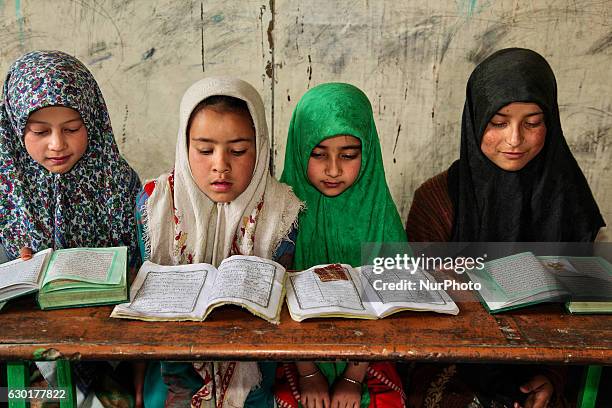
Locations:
column 92, row 205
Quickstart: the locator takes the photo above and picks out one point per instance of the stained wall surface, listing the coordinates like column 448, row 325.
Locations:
column 412, row 58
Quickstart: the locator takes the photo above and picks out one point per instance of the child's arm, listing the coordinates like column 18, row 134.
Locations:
column 314, row 390
column 139, row 368
column 347, row 389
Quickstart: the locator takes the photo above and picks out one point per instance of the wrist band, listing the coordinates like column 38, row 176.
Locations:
column 310, row 375
column 359, row 383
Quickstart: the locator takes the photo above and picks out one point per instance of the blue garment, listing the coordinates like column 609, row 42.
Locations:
column 156, row 390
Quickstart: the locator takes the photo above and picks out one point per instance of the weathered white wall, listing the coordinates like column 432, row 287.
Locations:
column 412, row 58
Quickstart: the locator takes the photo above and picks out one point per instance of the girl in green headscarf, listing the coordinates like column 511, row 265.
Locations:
column 334, row 164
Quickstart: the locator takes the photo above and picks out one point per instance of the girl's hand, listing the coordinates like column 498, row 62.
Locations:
column 540, row 391
column 25, row 253
column 314, row 391
column 346, row 394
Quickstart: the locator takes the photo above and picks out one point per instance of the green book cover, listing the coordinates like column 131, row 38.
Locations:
column 68, row 277
column 84, row 277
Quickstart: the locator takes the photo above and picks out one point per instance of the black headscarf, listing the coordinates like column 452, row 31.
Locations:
column 548, row 200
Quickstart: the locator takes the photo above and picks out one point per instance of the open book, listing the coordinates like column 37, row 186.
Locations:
column 68, row 277
column 191, row 292
column 338, row 290
column 525, row 279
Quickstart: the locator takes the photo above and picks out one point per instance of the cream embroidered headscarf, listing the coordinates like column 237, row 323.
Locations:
column 188, row 227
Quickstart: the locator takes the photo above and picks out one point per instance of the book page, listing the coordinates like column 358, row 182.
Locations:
column 326, row 290
column 19, row 277
column 168, row 292
column 521, row 275
column 23, row 272
column 583, row 277
column 515, row 281
column 249, row 281
column 89, row 265
column 419, row 293
column 395, row 289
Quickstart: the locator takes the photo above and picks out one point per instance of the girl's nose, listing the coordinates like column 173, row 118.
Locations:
column 515, row 136
column 57, row 141
column 333, row 169
column 221, row 163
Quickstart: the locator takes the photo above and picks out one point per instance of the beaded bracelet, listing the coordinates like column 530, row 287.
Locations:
column 352, row 381
column 310, row 375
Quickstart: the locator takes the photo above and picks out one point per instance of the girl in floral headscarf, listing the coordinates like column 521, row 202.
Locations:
column 63, row 182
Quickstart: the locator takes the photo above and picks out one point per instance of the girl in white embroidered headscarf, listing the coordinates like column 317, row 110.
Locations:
column 219, row 200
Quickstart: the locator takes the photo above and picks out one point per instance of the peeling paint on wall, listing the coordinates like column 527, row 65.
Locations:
column 411, row 58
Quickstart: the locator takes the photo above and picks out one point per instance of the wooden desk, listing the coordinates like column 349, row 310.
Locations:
column 537, row 334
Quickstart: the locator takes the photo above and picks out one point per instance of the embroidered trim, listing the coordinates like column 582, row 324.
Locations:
column 385, row 380
column 282, row 404
column 435, row 392
column 293, row 384
column 146, row 236
column 225, row 382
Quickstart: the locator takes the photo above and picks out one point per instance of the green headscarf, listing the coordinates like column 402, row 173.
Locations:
column 332, row 229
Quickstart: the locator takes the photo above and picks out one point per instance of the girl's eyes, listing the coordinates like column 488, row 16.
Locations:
column 237, row 153
column 345, row 156
column 317, row 155
column 533, row 124
column 530, row 125
column 74, row 128
column 44, row 132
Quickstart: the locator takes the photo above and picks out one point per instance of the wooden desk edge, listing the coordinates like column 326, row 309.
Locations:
column 279, row 352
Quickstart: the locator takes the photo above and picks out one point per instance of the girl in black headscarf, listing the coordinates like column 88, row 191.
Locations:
column 542, row 197
column 515, row 181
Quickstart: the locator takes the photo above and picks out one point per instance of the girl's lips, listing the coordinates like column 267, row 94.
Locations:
column 59, row 160
column 329, row 184
column 221, row 186
column 513, row 155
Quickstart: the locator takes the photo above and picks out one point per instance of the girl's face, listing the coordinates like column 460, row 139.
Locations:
column 222, row 153
column 334, row 164
column 514, row 135
column 56, row 138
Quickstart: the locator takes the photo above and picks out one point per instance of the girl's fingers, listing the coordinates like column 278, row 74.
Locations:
column 25, row 253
